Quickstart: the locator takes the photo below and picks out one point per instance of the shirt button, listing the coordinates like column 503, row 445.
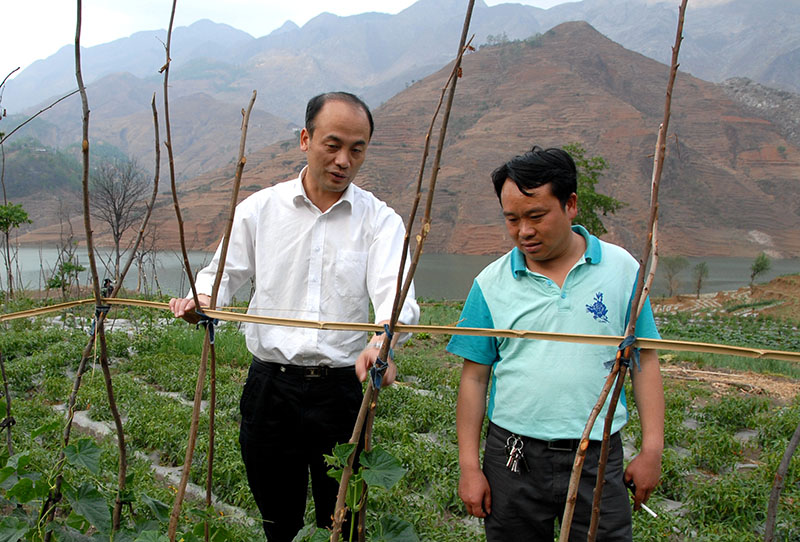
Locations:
column 563, row 296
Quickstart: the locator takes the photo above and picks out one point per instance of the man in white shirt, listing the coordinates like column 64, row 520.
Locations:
column 319, row 248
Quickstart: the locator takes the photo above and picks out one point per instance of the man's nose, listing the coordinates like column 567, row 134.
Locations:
column 342, row 159
column 526, row 229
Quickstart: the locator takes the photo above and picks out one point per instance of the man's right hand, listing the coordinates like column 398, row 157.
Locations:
column 184, row 308
column 473, row 488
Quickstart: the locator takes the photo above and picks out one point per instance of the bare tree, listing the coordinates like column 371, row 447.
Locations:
column 119, row 189
column 700, row 275
column 146, row 259
column 66, row 273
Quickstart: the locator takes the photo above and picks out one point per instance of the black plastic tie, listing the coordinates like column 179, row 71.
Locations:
column 377, row 371
column 207, row 322
column 627, row 362
column 8, row 422
column 98, row 310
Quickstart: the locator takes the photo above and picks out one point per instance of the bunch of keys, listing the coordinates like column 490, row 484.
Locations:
column 514, row 446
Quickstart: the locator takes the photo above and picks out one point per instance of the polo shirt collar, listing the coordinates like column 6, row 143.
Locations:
column 594, row 251
column 593, row 254
column 300, row 194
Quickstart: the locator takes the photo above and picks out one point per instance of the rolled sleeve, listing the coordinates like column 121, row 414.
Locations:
column 239, row 260
column 475, row 314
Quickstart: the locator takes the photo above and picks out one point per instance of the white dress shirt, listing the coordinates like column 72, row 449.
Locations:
column 315, row 266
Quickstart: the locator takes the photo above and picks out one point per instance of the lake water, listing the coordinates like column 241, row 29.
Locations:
column 439, row 276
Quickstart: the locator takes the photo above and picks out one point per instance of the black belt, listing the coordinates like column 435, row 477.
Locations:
column 312, row 371
column 563, row 445
column 560, row 445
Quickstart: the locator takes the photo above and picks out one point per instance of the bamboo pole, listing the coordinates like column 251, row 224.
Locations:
column 576, row 338
column 642, row 288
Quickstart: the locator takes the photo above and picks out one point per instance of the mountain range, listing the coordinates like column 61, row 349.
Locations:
column 729, row 186
column 215, row 68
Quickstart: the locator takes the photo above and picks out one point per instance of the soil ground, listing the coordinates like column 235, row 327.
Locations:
column 783, row 292
column 777, row 388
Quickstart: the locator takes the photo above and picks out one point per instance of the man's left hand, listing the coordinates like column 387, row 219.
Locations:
column 367, row 359
column 644, row 471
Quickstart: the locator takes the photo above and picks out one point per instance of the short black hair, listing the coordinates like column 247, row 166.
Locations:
column 539, row 167
column 315, row 106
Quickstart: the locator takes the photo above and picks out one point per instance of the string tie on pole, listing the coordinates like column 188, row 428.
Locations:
column 98, row 310
column 628, row 362
column 377, row 371
column 207, row 322
column 8, row 422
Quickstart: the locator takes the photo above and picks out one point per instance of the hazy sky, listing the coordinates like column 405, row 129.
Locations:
column 35, row 29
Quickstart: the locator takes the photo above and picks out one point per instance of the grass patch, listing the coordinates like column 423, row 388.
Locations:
column 154, row 374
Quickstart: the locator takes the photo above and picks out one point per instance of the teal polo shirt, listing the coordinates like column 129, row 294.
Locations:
column 546, row 389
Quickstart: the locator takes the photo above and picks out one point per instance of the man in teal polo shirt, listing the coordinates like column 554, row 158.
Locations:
column 558, row 278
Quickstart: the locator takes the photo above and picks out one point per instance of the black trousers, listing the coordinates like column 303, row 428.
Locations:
column 290, row 418
column 525, row 505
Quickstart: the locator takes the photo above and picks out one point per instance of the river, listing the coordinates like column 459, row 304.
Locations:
column 439, row 276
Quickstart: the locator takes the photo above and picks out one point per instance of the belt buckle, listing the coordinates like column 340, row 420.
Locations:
column 562, row 445
column 314, row 372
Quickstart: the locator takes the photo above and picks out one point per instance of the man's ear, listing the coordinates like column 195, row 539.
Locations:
column 305, row 139
column 571, row 207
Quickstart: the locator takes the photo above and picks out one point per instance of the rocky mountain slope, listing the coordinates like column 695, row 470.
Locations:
column 729, row 185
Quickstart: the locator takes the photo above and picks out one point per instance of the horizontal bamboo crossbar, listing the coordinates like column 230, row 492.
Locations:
column 600, row 340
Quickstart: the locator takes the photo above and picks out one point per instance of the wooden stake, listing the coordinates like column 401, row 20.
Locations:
column 642, row 288
column 366, row 413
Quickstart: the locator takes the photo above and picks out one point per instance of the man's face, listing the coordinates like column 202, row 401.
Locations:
column 337, row 149
column 539, row 226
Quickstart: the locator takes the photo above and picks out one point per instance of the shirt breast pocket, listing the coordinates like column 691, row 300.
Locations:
column 351, row 273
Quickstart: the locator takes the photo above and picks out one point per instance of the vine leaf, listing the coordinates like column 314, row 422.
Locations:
column 151, row 536
column 89, row 503
column 8, row 477
column 338, row 459
column 393, row 529
column 19, row 461
column 381, row 469
column 25, row 490
column 46, row 428
column 68, row 534
column 84, row 453
column 159, row 509
column 77, row 523
column 12, row 529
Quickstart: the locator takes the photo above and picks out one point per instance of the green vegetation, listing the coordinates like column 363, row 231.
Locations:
column 760, row 265
column 723, row 445
column 32, row 167
column 591, row 204
column 756, row 332
column 12, row 216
